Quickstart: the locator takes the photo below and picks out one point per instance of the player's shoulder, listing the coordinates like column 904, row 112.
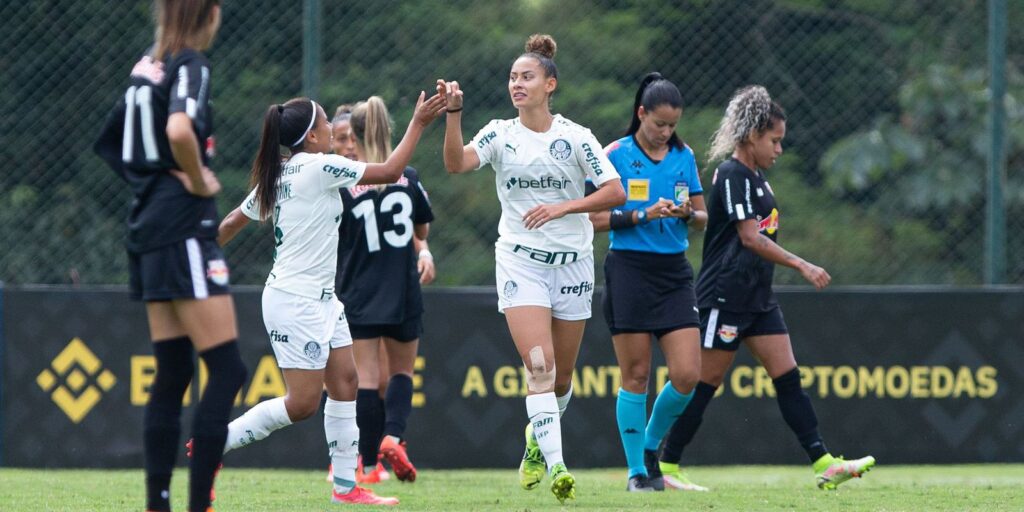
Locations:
column 410, row 174
column 188, row 57
column 569, row 126
column 622, row 145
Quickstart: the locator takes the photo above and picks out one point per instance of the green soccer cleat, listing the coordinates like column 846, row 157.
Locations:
column 563, row 485
column 676, row 479
column 832, row 471
column 533, row 466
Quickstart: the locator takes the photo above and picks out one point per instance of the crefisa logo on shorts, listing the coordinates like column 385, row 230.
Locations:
column 312, row 350
column 560, row 149
column 579, row 289
column 217, row 272
column 510, row 289
column 727, row 333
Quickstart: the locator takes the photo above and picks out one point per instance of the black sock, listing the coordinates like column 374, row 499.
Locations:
column 686, row 425
column 161, row 428
column 370, row 419
column 398, row 404
column 210, row 424
column 799, row 413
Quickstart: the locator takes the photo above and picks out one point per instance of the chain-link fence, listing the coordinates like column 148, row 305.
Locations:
column 883, row 179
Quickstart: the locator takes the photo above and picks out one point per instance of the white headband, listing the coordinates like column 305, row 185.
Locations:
column 310, row 127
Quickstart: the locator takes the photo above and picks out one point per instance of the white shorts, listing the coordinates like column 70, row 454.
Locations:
column 302, row 330
column 567, row 290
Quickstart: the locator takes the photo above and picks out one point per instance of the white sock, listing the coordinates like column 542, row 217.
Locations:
column 257, row 423
column 342, row 442
column 543, row 412
column 563, row 401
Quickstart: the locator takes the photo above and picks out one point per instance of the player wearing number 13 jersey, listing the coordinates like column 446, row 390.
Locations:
column 377, row 278
column 379, row 282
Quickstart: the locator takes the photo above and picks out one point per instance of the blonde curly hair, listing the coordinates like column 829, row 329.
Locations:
column 751, row 110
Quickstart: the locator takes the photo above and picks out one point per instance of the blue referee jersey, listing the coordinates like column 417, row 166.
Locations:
column 646, row 181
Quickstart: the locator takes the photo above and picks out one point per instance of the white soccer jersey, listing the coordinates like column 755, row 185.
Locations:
column 306, row 220
column 543, row 168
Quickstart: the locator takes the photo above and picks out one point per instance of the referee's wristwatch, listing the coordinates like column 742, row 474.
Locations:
column 641, row 216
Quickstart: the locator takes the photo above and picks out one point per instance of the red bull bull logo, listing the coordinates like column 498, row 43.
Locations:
column 770, row 224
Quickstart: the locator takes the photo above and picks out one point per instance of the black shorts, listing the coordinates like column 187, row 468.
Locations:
column 648, row 292
column 406, row 331
column 725, row 329
column 189, row 269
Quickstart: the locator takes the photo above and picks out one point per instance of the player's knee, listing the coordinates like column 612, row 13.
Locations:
column 684, row 379
column 300, row 408
column 540, row 371
column 635, row 377
column 714, row 377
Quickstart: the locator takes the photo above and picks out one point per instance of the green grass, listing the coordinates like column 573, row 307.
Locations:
column 964, row 487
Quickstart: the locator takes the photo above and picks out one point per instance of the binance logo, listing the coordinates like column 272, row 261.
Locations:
column 418, row 398
column 77, row 380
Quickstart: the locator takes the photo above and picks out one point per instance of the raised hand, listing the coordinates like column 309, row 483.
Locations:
column 452, row 95
column 428, row 110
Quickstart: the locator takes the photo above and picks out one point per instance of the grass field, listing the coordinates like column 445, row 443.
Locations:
column 931, row 488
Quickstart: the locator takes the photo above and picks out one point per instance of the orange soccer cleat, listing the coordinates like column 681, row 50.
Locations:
column 362, row 496
column 395, row 454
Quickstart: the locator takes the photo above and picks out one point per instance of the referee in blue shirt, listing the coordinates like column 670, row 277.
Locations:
column 648, row 281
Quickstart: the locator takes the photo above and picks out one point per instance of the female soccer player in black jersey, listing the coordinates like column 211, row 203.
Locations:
column 734, row 289
column 155, row 140
column 378, row 280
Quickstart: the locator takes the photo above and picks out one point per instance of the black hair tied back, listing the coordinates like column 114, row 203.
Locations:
column 655, row 91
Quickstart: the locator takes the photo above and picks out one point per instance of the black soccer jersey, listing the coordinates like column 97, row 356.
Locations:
column 134, row 143
column 377, row 280
column 732, row 277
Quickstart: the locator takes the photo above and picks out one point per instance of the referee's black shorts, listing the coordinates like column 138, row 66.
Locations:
column 648, row 292
column 190, row 269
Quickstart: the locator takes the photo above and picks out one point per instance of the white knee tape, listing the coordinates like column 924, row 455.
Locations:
column 539, row 378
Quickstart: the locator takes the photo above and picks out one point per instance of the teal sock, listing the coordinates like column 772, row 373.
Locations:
column 631, row 415
column 667, row 407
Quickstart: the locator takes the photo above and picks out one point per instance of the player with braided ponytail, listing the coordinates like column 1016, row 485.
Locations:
column 734, row 289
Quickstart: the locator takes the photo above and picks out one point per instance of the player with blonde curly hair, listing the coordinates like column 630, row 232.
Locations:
column 734, row 289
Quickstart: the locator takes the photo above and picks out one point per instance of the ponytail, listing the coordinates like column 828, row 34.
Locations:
column 654, row 92
column 371, row 125
column 283, row 125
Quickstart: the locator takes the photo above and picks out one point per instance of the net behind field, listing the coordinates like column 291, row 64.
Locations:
column 882, row 181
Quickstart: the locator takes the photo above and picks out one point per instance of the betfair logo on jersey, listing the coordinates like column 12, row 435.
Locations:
column 543, row 183
column 547, row 257
column 592, row 160
column 76, row 380
column 486, row 139
column 337, row 173
column 579, row 289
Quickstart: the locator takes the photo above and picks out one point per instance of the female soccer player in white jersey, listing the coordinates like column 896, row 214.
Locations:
column 304, row 319
column 544, row 253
